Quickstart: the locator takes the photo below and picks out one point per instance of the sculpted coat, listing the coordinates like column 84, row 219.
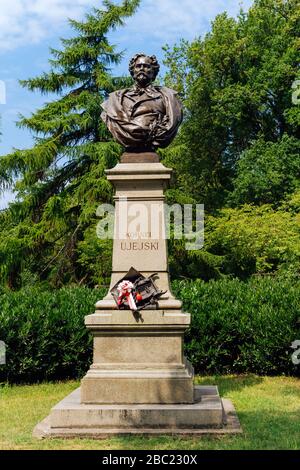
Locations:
column 143, row 117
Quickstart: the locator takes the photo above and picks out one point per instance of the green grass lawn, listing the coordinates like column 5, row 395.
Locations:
column 268, row 408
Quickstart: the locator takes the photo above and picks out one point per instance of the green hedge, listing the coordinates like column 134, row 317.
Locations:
column 45, row 334
column 240, row 326
column 236, row 327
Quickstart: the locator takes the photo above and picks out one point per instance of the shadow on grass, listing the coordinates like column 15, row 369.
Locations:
column 270, row 429
column 262, row 430
column 230, row 383
column 287, row 390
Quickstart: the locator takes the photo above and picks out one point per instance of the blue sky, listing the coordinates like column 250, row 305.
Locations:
column 29, row 27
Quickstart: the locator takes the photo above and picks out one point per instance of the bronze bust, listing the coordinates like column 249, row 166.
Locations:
column 145, row 116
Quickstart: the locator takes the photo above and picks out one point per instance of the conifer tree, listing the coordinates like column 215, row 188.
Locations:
column 48, row 233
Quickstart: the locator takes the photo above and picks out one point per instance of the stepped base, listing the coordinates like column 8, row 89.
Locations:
column 138, row 359
column 207, row 415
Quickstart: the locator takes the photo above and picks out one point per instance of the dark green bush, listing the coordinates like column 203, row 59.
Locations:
column 240, row 326
column 236, row 327
column 44, row 333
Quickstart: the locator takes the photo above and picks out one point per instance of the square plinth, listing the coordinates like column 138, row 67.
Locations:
column 207, row 415
column 138, row 359
column 137, row 386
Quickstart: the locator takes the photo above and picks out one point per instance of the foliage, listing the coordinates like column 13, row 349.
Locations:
column 60, row 182
column 237, row 84
column 239, row 144
column 268, row 172
column 236, row 327
column 45, row 334
column 242, row 242
column 254, row 240
column 237, row 152
column 241, row 327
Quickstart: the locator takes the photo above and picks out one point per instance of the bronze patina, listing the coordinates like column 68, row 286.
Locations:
column 145, row 116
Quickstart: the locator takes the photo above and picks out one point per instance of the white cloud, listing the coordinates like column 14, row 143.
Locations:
column 25, row 22
column 2, row 92
column 169, row 20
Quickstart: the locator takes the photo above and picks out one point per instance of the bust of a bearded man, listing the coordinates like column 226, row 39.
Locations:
column 145, row 116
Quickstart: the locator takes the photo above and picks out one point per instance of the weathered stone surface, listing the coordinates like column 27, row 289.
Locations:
column 139, row 192
column 139, row 157
column 129, row 388
column 208, row 414
column 145, row 319
column 143, row 187
column 139, row 382
column 126, row 349
column 138, row 358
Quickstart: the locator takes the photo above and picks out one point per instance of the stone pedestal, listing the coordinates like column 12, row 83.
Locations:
column 139, row 358
column 207, row 415
column 140, row 226
column 139, row 380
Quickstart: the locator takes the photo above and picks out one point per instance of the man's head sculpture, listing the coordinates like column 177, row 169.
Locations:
column 145, row 116
column 140, row 63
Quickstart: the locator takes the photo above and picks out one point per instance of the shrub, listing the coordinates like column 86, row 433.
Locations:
column 243, row 241
column 45, row 334
column 254, row 240
column 240, row 326
column 267, row 172
column 237, row 327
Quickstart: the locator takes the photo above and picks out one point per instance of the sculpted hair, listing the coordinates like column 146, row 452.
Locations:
column 154, row 63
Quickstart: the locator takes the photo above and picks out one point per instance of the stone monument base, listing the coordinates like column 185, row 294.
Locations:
column 139, row 381
column 209, row 414
column 139, row 157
